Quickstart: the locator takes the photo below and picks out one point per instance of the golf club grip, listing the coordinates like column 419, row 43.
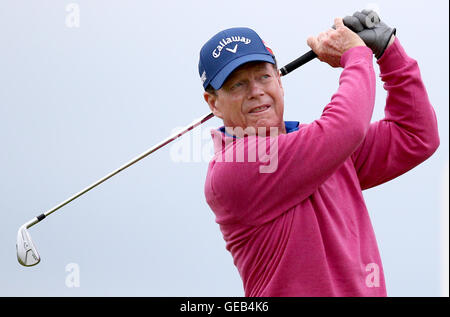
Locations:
column 302, row 60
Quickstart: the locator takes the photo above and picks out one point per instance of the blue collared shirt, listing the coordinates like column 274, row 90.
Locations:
column 291, row 126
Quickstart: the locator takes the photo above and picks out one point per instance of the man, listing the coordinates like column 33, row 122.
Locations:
column 302, row 229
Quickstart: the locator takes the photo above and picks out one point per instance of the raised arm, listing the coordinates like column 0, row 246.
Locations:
column 408, row 134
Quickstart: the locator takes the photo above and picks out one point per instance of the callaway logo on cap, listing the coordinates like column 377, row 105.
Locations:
column 226, row 51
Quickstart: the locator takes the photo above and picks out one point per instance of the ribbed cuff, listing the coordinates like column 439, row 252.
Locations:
column 355, row 54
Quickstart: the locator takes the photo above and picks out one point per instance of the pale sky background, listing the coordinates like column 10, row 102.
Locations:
column 78, row 102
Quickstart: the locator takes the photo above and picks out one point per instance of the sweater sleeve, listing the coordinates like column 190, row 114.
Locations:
column 408, row 134
column 241, row 191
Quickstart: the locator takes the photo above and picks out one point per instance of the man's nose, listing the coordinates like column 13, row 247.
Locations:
column 255, row 89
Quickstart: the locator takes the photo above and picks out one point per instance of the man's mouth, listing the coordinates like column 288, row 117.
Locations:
column 260, row 109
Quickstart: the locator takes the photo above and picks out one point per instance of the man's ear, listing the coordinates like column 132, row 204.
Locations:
column 211, row 100
column 279, row 81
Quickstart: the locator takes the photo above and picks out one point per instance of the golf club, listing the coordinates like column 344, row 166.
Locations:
column 27, row 254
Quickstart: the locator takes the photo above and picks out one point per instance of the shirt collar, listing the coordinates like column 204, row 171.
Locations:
column 291, row 126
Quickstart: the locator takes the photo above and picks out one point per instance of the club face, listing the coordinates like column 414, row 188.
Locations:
column 27, row 254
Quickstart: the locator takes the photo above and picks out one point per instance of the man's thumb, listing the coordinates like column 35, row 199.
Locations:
column 311, row 41
column 338, row 23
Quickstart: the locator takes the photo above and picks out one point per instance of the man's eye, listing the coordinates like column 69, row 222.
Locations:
column 265, row 76
column 237, row 85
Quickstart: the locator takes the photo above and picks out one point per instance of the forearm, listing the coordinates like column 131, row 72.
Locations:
column 407, row 103
column 350, row 109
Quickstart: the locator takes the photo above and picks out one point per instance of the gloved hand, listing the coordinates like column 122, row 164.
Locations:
column 371, row 30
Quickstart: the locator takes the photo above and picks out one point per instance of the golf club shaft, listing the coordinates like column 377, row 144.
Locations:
column 174, row 136
column 283, row 71
column 302, row 60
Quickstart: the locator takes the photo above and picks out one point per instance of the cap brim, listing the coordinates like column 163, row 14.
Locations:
column 223, row 74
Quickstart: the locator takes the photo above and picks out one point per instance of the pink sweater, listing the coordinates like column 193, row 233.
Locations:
column 302, row 229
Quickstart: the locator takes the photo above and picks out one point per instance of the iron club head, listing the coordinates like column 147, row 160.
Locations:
column 26, row 252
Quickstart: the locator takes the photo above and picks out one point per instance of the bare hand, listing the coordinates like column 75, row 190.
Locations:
column 330, row 45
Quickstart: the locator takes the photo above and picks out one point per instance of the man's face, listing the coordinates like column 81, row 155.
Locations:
column 252, row 96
